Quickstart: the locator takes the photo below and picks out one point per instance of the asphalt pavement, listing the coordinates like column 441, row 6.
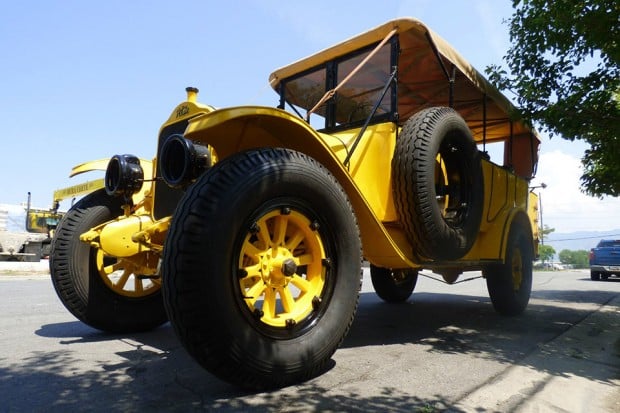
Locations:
column 577, row 370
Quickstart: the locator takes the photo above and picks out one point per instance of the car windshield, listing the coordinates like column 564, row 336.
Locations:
column 354, row 101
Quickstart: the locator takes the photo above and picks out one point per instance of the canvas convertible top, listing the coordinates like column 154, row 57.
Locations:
column 432, row 73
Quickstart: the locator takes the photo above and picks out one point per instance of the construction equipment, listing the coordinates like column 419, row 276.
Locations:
column 40, row 224
column 45, row 221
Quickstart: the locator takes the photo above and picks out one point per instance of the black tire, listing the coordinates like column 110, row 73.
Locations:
column 440, row 206
column 595, row 275
column 604, row 276
column 80, row 284
column 224, row 232
column 510, row 283
column 393, row 286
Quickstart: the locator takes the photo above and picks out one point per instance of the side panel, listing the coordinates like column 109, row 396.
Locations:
column 236, row 129
column 371, row 167
column 505, row 196
column 367, row 180
column 532, row 211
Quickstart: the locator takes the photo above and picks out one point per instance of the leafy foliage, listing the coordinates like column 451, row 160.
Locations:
column 544, row 232
column 578, row 259
column 546, row 252
column 564, row 66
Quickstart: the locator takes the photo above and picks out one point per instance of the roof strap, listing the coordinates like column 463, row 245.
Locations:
column 330, row 93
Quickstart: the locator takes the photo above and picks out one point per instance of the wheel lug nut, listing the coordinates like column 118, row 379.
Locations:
column 289, row 268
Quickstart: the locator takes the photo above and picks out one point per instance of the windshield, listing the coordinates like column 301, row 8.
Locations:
column 354, row 101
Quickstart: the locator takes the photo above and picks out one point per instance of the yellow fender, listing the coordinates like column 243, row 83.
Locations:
column 236, row 129
column 98, row 165
column 517, row 214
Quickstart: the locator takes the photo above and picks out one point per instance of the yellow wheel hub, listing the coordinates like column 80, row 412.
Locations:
column 282, row 268
column 517, row 269
column 121, row 274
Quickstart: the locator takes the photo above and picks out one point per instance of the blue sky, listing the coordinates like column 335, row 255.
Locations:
column 83, row 80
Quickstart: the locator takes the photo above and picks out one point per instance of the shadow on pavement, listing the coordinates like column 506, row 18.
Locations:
column 155, row 373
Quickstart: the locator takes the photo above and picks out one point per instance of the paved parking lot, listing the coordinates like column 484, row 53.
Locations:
column 445, row 349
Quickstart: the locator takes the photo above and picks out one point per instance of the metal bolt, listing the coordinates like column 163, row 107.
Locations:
column 316, row 302
column 258, row 313
column 242, row 273
column 290, row 323
column 315, row 225
column 285, row 211
column 289, row 268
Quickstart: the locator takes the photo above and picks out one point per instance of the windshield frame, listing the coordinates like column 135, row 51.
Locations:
column 329, row 110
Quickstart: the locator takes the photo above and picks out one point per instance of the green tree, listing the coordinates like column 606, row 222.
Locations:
column 578, row 259
column 546, row 252
column 564, row 66
column 544, row 232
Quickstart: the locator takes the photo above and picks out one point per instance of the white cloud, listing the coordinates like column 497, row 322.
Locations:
column 565, row 207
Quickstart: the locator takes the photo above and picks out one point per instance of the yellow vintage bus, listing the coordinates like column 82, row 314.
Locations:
column 248, row 229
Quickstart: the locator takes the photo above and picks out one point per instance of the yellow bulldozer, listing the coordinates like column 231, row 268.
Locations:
column 45, row 221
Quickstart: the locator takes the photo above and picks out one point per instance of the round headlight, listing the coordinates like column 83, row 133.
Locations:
column 181, row 161
column 124, row 175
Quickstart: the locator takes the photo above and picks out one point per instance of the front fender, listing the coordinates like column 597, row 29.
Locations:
column 237, row 129
column 98, row 165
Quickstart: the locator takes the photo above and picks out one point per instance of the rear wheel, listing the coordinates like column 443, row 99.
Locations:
column 262, row 268
column 510, row 283
column 391, row 285
column 101, row 291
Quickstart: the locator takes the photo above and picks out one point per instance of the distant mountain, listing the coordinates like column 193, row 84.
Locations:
column 582, row 240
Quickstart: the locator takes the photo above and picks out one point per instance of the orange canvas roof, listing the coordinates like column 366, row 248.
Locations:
column 423, row 81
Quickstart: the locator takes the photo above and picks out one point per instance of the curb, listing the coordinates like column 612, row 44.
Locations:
column 579, row 371
column 12, row 268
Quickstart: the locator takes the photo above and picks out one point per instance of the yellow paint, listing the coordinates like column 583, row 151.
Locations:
column 115, row 238
column 366, row 178
column 279, row 240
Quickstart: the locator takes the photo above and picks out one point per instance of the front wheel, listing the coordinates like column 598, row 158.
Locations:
column 595, row 275
column 510, row 283
column 393, row 286
column 262, row 268
column 100, row 290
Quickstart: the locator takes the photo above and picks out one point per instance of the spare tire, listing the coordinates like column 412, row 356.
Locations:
column 438, row 184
